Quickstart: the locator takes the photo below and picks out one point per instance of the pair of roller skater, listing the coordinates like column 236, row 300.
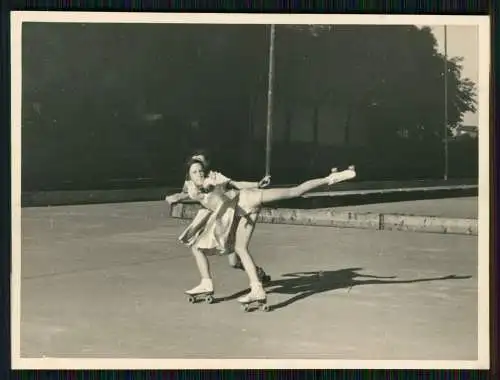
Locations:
column 227, row 220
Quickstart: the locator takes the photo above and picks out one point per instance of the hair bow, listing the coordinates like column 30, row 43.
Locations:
column 199, row 157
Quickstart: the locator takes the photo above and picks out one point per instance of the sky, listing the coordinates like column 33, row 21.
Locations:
column 462, row 42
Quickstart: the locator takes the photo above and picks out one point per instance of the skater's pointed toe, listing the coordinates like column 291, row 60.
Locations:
column 351, row 172
column 344, row 175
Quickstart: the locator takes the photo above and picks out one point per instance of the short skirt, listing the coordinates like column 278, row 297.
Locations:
column 214, row 232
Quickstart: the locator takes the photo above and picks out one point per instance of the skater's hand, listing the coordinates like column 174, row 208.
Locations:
column 171, row 199
column 265, row 182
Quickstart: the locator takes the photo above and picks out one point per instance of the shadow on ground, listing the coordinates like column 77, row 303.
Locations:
column 305, row 284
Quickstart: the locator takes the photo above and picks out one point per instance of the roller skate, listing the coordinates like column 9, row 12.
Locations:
column 263, row 276
column 336, row 176
column 238, row 265
column 203, row 292
column 255, row 299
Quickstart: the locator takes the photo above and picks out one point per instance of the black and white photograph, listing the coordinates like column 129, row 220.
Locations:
column 250, row 191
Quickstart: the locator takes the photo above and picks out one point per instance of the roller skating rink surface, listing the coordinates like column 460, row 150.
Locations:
column 109, row 281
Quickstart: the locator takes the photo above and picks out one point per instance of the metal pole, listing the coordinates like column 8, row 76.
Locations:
column 445, row 105
column 269, row 124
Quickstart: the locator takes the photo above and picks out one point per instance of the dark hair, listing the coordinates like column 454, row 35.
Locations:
column 192, row 161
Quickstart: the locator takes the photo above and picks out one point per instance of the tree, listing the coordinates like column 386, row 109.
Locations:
column 392, row 75
column 132, row 100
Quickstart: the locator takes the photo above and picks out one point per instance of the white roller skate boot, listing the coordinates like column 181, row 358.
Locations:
column 204, row 291
column 256, row 297
column 336, row 177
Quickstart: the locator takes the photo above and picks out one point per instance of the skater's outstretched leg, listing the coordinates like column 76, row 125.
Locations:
column 206, row 284
column 273, row 195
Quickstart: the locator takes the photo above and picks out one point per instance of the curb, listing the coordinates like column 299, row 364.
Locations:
column 346, row 219
column 70, row 197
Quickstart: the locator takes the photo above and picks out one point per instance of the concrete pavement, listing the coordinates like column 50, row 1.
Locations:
column 108, row 280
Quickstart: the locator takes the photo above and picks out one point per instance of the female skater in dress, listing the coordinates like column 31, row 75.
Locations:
column 235, row 206
column 203, row 214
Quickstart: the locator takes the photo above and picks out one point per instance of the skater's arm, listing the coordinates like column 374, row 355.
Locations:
column 217, row 178
column 264, row 182
column 192, row 193
column 177, row 197
column 240, row 185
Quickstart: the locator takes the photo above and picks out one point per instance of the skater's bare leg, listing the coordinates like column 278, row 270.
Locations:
column 202, row 263
column 273, row 195
column 206, row 284
column 244, row 232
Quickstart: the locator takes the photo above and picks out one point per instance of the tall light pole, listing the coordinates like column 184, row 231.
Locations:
column 269, row 123
column 445, row 104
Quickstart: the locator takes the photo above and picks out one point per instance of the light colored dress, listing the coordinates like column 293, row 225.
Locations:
column 214, row 227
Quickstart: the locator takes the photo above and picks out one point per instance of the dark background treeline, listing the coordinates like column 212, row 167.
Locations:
column 123, row 105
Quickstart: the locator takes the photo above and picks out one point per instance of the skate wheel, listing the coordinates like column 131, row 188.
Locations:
column 209, row 299
column 191, row 299
column 264, row 308
column 245, row 307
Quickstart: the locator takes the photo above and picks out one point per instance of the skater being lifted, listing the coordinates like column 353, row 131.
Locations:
column 234, row 207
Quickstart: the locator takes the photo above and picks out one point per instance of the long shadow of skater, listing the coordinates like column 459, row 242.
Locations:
column 306, row 284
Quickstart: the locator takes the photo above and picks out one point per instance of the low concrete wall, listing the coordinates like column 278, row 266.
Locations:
column 345, row 219
column 397, row 222
column 69, row 197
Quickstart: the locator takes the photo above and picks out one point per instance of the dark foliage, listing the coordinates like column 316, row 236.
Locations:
column 124, row 104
